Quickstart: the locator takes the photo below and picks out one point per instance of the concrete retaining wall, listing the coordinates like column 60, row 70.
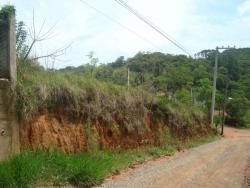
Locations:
column 8, row 47
column 9, row 128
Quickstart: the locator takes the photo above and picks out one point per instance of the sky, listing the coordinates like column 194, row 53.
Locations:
column 195, row 24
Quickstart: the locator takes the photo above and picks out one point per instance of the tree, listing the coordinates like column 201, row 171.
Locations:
column 119, row 62
column 92, row 62
column 21, row 39
column 28, row 37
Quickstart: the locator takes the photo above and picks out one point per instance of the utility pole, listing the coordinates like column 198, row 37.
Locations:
column 215, row 79
column 128, row 77
column 214, row 85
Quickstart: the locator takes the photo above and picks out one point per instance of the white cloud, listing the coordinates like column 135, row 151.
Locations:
column 244, row 7
column 182, row 19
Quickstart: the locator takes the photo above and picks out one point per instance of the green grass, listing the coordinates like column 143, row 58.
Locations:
column 56, row 168
column 151, row 152
column 82, row 170
column 202, row 140
column 148, row 153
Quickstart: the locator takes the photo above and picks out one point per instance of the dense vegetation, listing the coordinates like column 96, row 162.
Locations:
column 183, row 80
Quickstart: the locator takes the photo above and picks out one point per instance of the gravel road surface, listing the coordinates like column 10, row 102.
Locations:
column 222, row 164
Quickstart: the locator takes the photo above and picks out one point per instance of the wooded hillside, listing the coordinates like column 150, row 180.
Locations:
column 181, row 79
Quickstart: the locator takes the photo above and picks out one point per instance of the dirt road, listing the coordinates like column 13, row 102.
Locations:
column 221, row 164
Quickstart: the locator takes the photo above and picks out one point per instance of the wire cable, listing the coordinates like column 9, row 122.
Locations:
column 149, row 22
column 152, row 25
column 121, row 25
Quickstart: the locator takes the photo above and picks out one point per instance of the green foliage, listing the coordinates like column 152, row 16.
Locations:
column 202, row 140
column 6, row 11
column 21, row 38
column 92, row 63
column 238, row 108
column 176, row 76
column 20, row 171
column 184, row 96
column 162, row 103
column 234, row 74
column 56, row 168
column 217, row 120
column 246, row 119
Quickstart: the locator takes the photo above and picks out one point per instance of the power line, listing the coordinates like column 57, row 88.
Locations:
column 152, row 25
column 121, row 25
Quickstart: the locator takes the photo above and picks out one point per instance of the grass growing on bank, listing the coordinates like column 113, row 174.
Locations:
column 82, row 97
column 82, row 170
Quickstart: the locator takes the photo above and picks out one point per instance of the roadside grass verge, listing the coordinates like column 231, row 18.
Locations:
column 150, row 153
column 202, row 140
column 55, row 168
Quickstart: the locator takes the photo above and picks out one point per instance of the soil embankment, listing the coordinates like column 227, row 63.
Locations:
column 72, row 136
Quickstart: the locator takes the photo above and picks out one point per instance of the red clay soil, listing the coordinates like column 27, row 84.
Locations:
column 72, row 136
column 47, row 131
column 50, row 130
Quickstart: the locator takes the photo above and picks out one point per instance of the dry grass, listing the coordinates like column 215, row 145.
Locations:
column 80, row 97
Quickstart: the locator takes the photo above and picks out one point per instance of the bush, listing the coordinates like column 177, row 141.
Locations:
column 238, row 110
column 246, row 119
